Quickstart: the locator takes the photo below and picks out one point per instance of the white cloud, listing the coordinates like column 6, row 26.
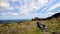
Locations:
column 31, row 5
column 58, row 11
column 29, row 15
column 28, row 8
column 54, row 6
column 3, row 0
column 51, row 13
column 4, row 4
column 13, row 0
column 2, row 14
column 15, row 14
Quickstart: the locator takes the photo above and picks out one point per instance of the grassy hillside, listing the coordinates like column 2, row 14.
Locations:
column 30, row 27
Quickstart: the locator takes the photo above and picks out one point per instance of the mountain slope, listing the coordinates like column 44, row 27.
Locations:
column 57, row 15
column 30, row 27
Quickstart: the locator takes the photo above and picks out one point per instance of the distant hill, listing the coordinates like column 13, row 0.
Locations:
column 57, row 15
column 12, row 21
column 30, row 27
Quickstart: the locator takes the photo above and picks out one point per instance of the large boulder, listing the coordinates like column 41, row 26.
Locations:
column 42, row 26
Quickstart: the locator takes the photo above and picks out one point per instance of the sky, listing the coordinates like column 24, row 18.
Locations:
column 28, row 9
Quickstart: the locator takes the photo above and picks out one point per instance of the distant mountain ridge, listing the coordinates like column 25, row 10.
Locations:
column 57, row 15
column 12, row 21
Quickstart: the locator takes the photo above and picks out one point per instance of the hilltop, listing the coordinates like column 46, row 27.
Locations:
column 30, row 27
column 56, row 16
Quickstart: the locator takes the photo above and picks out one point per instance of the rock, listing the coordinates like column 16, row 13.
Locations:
column 42, row 26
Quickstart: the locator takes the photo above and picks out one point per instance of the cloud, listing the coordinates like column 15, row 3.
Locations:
column 15, row 14
column 54, row 6
column 2, row 14
column 28, row 15
column 13, row 0
column 58, row 11
column 4, row 4
column 9, row 13
column 31, row 5
column 28, row 8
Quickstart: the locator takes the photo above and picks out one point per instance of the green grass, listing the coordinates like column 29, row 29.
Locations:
column 30, row 27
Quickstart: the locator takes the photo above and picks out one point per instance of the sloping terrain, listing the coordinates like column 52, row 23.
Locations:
column 30, row 27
